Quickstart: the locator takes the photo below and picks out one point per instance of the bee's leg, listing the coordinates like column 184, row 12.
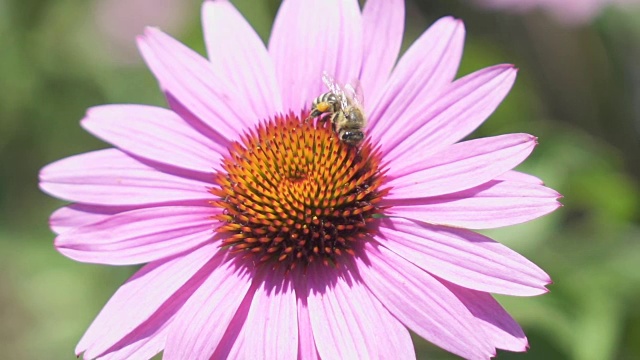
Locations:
column 314, row 113
column 319, row 109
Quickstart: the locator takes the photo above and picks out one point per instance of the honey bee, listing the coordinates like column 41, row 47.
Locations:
column 343, row 105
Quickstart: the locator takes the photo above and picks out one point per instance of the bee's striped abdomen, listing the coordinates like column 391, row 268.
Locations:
column 325, row 103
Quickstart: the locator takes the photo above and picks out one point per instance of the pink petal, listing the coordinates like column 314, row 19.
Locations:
column 206, row 316
column 110, row 177
column 458, row 110
column 145, row 348
column 237, row 51
column 503, row 332
column 195, row 87
column 383, row 23
column 424, row 70
column 460, row 166
column 513, row 175
column 310, row 37
column 139, row 236
column 147, row 301
column 155, row 134
column 463, row 257
column 306, row 343
column 348, row 322
column 270, row 330
column 422, row 303
column 490, row 205
column 75, row 215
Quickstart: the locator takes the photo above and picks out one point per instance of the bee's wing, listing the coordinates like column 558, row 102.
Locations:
column 335, row 88
column 353, row 91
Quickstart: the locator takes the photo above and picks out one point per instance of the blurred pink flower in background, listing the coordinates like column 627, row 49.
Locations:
column 264, row 235
column 570, row 12
column 120, row 21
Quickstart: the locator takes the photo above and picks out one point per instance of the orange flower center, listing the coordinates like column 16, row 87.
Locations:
column 293, row 193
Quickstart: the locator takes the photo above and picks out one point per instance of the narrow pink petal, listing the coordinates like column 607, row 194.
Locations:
column 270, row 330
column 460, row 166
column 350, row 323
column 110, row 177
column 155, row 134
column 151, row 294
column 458, row 110
column 139, row 236
column 490, row 205
column 501, row 329
column 310, row 37
column 192, row 82
column 75, row 215
column 513, row 175
column 383, row 24
column 422, row 303
column 424, row 70
column 463, row 257
column 145, row 348
column 306, row 342
column 203, row 320
column 237, row 51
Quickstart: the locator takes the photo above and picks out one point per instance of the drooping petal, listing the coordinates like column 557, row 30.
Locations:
column 309, row 38
column 501, row 329
column 348, row 322
column 236, row 50
column 424, row 70
column 270, row 330
column 194, row 87
column 204, row 319
column 463, row 257
column 147, row 301
column 110, row 177
column 430, row 126
column 422, row 303
column 460, row 166
column 155, row 134
column 383, row 26
column 490, row 205
column 139, row 236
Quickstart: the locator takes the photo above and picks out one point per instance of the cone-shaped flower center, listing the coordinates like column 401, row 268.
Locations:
column 293, row 193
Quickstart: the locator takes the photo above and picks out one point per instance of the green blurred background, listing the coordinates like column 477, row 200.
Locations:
column 578, row 90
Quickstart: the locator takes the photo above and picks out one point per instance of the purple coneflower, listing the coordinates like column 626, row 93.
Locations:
column 264, row 235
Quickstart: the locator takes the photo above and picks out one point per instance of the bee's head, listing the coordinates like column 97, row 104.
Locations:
column 352, row 138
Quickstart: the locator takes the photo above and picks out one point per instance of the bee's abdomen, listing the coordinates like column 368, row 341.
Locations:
column 325, row 103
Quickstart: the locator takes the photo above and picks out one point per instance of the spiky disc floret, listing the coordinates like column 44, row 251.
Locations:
column 293, row 193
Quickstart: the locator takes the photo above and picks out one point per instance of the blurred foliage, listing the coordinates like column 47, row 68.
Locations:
column 578, row 91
